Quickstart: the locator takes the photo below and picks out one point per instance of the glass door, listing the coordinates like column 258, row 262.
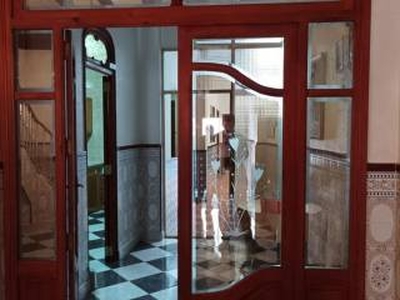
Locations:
column 40, row 155
column 237, row 113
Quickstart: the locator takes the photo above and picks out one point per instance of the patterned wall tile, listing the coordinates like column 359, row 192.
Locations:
column 139, row 196
column 382, row 235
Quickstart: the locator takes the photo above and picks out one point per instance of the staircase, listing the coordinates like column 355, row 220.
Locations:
column 36, row 154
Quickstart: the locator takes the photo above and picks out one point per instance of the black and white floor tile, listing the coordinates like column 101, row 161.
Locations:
column 149, row 272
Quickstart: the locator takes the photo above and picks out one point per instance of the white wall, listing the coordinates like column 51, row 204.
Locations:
column 384, row 105
column 139, row 66
column 125, row 41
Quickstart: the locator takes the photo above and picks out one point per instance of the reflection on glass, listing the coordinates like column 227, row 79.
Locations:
column 330, row 55
column 34, row 68
column 36, row 180
column 220, row 2
column 261, row 58
column 85, row 4
column 328, row 182
column 237, row 163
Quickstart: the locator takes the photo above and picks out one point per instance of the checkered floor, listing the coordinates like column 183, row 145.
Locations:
column 149, row 272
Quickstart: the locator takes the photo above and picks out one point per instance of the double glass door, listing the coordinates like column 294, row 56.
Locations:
column 264, row 163
column 264, row 169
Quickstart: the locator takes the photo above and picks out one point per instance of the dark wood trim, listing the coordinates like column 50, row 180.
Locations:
column 8, row 129
column 61, row 167
column 138, row 146
column 330, row 93
column 31, row 95
column 34, row 41
column 185, row 164
column 187, row 15
column 237, row 75
column 359, row 151
column 383, row 167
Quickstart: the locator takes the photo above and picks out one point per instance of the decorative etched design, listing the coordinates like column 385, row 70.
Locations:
column 95, row 48
column 382, row 184
column 381, row 246
column 381, row 273
column 382, row 223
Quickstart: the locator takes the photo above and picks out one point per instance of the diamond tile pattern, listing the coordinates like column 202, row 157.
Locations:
column 150, row 270
column 147, row 273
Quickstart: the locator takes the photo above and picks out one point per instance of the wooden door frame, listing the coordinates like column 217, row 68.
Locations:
column 291, row 188
column 359, row 11
column 110, row 143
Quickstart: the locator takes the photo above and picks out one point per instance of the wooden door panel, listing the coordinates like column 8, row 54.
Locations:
column 266, row 292
column 38, row 289
column 327, row 293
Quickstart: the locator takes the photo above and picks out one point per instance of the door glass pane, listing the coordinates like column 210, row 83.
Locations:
column 237, row 163
column 259, row 58
column 37, row 187
column 219, row 2
column 328, row 182
column 170, row 70
column 2, row 269
column 95, row 117
column 330, row 55
column 35, row 67
column 85, row 4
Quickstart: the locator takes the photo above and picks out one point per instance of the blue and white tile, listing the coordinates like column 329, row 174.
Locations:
column 97, row 253
column 97, row 267
column 122, row 291
column 137, row 271
column 93, row 237
column 167, row 294
column 151, row 254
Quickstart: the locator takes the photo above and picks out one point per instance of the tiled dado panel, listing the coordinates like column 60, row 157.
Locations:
column 1, row 237
column 139, row 196
column 382, row 236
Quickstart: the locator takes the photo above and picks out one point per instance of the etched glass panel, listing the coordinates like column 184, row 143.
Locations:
column 37, row 187
column 87, row 4
column 259, row 58
column 330, row 55
column 230, row 2
column 328, row 182
column 95, row 48
column 237, row 167
column 35, row 67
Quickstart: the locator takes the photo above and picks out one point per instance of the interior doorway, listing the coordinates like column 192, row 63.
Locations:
column 140, row 260
column 99, row 107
